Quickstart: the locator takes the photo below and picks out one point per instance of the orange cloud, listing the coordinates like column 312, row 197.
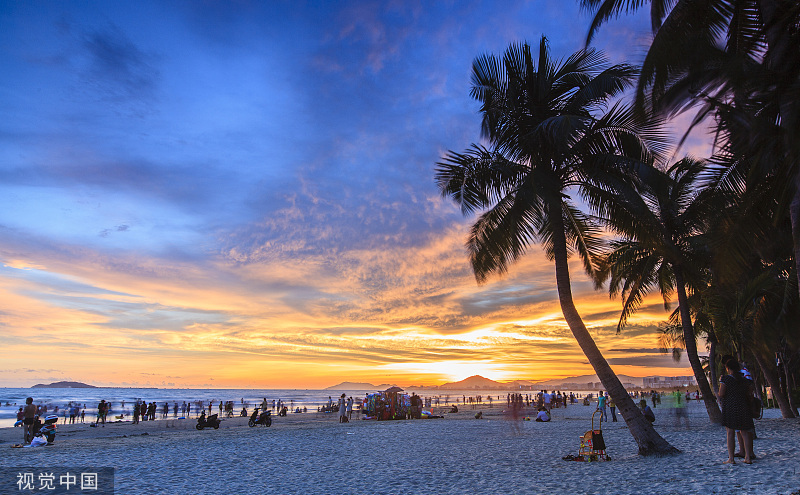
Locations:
column 412, row 315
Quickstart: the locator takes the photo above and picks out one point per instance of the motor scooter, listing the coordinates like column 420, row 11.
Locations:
column 265, row 418
column 48, row 429
column 210, row 422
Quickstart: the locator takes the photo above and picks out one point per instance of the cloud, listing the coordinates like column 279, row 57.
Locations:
column 664, row 361
column 117, row 68
column 220, row 188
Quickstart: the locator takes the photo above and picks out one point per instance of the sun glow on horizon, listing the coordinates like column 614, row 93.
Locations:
column 451, row 371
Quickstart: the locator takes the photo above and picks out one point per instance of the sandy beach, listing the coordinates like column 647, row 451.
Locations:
column 313, row 453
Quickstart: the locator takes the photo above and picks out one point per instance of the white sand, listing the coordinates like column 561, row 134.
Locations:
column 312, row 453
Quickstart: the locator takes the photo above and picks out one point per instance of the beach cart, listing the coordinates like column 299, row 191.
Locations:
column 593, row 447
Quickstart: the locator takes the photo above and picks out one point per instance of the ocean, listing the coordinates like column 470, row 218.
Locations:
column 12, row 398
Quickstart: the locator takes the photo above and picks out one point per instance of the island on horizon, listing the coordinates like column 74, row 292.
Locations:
column 63, row 385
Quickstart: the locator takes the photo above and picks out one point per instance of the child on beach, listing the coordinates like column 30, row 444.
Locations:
column 543, row 416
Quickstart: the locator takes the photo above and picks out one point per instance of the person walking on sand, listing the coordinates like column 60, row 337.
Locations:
column 342, row 409
column 734, row 391
column 613, row 408
column 28, row 413
column 101, row 410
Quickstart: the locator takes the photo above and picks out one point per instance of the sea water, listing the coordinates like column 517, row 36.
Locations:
column 123, row 399
column 11, row 399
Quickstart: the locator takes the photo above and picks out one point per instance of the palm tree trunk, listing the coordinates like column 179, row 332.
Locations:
column 710, row 400
column 712, row 359
column 794, row 217
column 789, row 385
column 646, row 437
column 774, row 383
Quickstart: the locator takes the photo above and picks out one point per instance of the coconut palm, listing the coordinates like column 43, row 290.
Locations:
column 724, row 55
column 662, row 248
column 546, row 141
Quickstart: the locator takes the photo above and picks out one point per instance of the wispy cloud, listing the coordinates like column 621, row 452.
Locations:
column 219, row 188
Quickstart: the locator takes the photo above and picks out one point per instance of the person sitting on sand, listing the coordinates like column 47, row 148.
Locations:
column 543, row 416
column 454, row 409
column 648, row 413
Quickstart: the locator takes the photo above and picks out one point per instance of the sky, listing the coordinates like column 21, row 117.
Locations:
column 241, row 194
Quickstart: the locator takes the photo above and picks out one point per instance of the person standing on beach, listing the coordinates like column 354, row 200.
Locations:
column 601, row 406
column 734, row 391
column 28, row 413
column 136, row 411
column 342, row 409
column 350, row 408
column 101, row 412
column 613, row 408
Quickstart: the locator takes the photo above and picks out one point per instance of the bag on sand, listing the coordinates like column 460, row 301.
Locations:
column 38, row 442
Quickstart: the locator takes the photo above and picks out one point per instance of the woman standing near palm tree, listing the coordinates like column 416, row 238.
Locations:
column 734, row 391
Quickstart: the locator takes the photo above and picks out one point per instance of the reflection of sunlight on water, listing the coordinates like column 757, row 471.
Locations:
column 454, row 370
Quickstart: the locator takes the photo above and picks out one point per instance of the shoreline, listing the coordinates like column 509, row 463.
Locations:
column 307, row 452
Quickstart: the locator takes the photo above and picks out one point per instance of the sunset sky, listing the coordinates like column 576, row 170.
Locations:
column 241, row 194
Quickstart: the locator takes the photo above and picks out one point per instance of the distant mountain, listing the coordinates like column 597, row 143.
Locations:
column 359, row 386
column 475, row 381
column 63, row 385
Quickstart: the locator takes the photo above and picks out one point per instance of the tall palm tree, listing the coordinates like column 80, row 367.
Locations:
column 662, row 248
column 720, row 54
column 546, row 141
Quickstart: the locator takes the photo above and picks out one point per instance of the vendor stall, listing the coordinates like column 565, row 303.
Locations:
column 392, row 403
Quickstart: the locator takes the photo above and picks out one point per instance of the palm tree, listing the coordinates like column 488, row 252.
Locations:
column 546, row 142
column 661, row 247
column 723, row 55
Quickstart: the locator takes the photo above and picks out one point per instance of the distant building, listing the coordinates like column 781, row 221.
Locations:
column 668, row 381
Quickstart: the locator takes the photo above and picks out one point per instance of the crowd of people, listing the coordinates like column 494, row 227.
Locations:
column 736, row 397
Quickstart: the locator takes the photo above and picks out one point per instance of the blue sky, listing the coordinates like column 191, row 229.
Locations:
column 207, row 182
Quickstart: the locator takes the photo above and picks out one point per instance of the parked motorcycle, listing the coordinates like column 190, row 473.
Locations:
column 48, row 429
column 265, row 418
column 210, row 422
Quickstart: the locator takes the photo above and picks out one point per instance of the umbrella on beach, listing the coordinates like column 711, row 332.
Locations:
column 392, row 390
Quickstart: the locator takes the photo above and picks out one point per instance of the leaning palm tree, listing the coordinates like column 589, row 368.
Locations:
column 545, row 142
column 662, row 247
